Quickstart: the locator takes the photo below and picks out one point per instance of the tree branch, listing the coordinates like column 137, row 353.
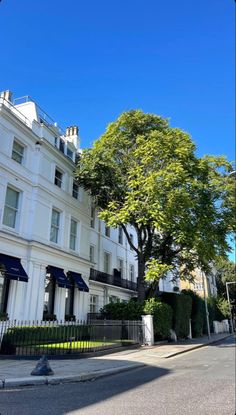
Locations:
column 129, row 239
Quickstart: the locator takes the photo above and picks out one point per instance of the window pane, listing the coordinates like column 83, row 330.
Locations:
column 106, row 262
column 91, row 253
column 12, row 198
column 55, row 218
column 120, row 237
column 73, row 227
column 107, row 230
column 17, row 152
column 17, row 147
column 120, row 266
column 93, row 303
column 9, row 217
column 54, row 234
column 72, row 242
column 75, row 192
column 58, row 178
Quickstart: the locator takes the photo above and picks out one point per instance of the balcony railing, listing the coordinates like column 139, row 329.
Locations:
column 115, row 280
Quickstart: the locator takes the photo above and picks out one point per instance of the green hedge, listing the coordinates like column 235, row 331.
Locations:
column 181, row 305
column 162, row 317
column 29, row 336
column 198, row 313
column 132, row 310
column 214, row 313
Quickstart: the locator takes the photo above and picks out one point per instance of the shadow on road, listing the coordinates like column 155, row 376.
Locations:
column 70, row 398
column 230, row 342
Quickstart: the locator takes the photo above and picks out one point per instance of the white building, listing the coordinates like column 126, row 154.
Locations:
column 50, row 236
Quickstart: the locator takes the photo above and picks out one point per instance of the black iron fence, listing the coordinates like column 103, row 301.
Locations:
column 64, row 338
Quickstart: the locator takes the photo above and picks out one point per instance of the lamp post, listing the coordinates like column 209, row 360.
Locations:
column 206, row 306
column 231, row 174
column 230, row 312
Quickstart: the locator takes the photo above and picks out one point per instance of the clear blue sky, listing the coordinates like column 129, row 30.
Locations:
column 85, row 62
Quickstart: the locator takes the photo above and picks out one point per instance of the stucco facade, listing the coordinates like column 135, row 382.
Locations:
column 46, row 221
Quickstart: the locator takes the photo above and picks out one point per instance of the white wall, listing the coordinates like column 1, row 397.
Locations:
column 30, row 241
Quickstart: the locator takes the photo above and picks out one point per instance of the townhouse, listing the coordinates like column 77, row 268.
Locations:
column 57, row 259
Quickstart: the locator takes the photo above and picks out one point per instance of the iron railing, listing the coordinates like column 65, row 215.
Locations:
column 34, row 338
column 43, row 116
column 105, row 278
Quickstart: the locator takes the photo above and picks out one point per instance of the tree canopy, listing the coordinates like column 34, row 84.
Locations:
column 225, row 272
column 143, row 173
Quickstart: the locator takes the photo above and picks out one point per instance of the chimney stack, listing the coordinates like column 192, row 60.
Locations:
column 72, row 131
column 7, row 95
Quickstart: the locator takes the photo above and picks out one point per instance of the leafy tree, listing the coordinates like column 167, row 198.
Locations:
column 225, row 272
column 144, row 173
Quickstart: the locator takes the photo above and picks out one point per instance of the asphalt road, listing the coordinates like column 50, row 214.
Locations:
column 198, row 382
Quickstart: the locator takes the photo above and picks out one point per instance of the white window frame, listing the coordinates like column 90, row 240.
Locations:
column 93, row 303
column 107, row 262
column 120, row 235
column 91, row 253
column 131, row 272
column 74, row 235
column 120, row 266
column 16, row 210
column 21, row 155
column 75, row 193
column 57, row 227
column 59, row 180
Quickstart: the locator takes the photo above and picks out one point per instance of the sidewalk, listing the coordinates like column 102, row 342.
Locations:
column 15, row 373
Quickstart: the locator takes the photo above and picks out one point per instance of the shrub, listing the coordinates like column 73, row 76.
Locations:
column 132, row 310
column 162, row 317
column 197, row 314
column 214, row 313
column 181, row 305
column 34, row 335
column 223, row 306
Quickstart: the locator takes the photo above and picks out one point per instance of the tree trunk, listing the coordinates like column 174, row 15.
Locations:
column 140, row 279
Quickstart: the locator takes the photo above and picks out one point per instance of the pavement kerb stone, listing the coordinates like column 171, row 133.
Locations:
column 27, row 381
column 197, row 346
column 46, row 380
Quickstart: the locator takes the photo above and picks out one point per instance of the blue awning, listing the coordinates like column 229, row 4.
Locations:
column 82, row 286
column 60, row 277
column 12, row 268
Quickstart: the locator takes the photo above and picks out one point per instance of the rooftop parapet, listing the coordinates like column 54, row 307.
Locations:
column 31, row 114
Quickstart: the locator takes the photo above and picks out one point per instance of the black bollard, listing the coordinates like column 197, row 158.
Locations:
column 42, row 368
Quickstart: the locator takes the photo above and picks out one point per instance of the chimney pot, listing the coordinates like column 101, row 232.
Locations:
column 75, row 130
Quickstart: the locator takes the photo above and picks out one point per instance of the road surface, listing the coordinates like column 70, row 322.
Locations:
column 198, row 382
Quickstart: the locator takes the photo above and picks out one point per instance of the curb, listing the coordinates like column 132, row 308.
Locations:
column 56, row 380
column 198, row 346
column 83, row 377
